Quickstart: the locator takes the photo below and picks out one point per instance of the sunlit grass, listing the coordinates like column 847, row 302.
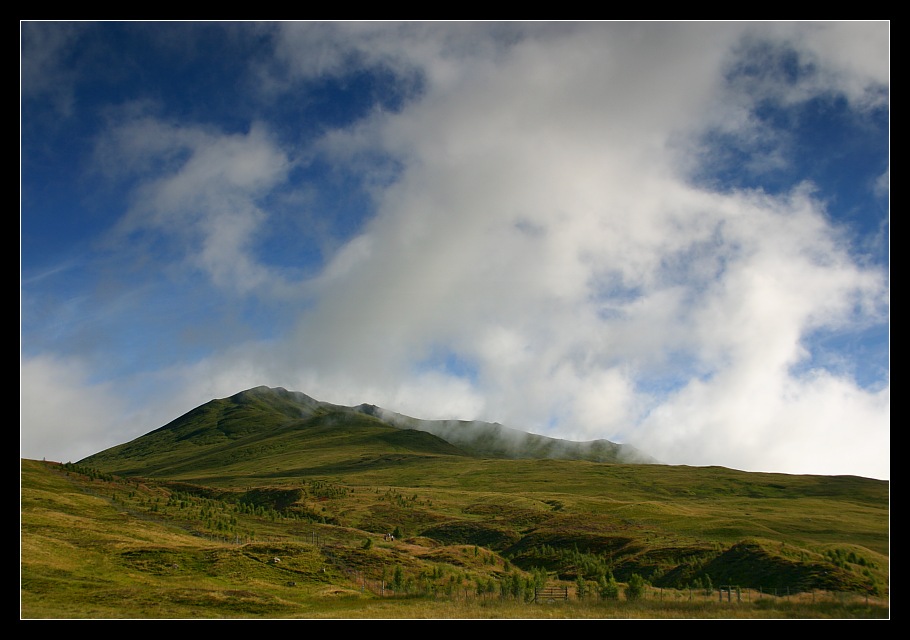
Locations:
column 117, row 549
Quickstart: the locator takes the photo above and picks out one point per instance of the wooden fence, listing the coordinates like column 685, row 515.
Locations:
column 551, row 593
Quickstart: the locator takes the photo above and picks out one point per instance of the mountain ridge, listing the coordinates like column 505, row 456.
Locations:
column 500, row 441
column 272, row 419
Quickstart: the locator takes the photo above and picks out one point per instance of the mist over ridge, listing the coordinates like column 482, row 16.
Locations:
column 488, row 438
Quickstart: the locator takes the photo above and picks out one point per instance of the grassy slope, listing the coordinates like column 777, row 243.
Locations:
column 312, row 469
column 91, row 549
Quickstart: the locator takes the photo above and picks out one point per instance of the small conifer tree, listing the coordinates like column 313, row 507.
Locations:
column 581, row 587
column 608, row 589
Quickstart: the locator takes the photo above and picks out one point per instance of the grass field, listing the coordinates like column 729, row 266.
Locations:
column 109, row 547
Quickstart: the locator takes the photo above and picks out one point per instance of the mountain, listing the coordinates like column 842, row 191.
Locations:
column 279, row 425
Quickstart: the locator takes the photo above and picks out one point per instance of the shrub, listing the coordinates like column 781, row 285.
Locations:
column 635, row 589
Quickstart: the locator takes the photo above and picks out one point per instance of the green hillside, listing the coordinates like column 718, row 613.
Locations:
column 282, row 425
column 270, row 475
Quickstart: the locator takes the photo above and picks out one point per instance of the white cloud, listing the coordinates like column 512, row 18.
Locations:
column 761, row 420
column 64, row 416
column 848, row 58
column 541, row 229
column 199, row 188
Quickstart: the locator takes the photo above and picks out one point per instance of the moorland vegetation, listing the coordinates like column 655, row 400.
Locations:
column 269, row 505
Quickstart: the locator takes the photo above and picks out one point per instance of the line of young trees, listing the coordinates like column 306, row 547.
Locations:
column 607, row 588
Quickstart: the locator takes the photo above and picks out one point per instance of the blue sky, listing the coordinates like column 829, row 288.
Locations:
column 672, row 235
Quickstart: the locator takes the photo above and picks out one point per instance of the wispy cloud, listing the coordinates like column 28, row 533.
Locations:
column 198, row 189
